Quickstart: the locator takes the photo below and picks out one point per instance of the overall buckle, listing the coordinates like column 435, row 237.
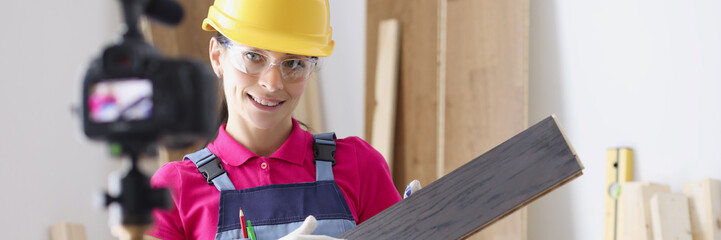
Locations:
column 211, row 169
column 324, row 150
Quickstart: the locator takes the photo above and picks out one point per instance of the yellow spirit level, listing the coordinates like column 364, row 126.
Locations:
column 618, row 171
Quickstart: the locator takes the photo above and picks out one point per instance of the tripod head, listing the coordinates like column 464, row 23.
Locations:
column 136, row 198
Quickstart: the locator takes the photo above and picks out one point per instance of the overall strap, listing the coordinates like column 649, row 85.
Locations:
column 209, row 165
column 324, row 152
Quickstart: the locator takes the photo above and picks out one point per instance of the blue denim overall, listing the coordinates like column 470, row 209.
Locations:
column 278, row 209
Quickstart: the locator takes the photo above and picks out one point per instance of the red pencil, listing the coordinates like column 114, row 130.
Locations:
column 242, row 224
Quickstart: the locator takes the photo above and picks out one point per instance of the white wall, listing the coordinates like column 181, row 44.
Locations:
column 342, row 76
column 49, row 173
column 642, row 74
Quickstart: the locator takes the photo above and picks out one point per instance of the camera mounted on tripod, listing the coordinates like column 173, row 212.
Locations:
column 133, row 94
column 133, row 97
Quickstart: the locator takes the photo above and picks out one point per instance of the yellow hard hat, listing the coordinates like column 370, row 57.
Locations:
column 289, row 26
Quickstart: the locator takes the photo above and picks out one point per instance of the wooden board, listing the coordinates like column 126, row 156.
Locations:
column 486, row 76
column 483, row 88
column 705, row 208
column 477, row 194
column 618, row 171
column 415, row 141
column 67, row 231
column 669, row 215
column 384, row 116
column 637, row 210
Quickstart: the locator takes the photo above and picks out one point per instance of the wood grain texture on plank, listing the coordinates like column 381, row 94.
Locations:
column 486, row 189
column 670, row 217
column 485, row 82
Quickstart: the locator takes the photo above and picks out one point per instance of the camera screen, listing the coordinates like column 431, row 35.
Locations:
column 121, row 100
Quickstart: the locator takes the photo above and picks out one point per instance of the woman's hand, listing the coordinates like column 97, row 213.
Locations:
column 412, row 187
column 305, row 230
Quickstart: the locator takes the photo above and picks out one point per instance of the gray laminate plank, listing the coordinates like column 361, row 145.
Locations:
column 482, row 191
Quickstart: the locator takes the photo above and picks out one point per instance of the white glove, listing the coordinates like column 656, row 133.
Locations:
column 412, row 187
column 304, row 231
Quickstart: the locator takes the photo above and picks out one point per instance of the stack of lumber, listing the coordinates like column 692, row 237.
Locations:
column 653, row 212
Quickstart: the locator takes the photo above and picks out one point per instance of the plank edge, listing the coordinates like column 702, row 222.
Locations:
column 565, row 138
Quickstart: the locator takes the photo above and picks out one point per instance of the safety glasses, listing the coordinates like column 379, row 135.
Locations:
column 254, row 62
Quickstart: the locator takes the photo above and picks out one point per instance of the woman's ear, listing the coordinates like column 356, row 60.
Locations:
column 215, row 50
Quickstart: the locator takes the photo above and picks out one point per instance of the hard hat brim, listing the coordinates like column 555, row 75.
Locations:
column 273, row 41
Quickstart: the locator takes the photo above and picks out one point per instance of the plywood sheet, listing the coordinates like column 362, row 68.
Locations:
column 482, row 191
column 485, row 82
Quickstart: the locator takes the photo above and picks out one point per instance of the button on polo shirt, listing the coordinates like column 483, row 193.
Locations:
column 290, row 161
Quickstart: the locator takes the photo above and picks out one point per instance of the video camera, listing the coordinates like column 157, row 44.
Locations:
column 131, row 93
column 134, row 98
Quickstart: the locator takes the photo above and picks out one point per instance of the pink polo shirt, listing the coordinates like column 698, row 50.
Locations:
column 361, row 173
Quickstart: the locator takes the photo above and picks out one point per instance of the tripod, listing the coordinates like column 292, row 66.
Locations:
column 136, row 198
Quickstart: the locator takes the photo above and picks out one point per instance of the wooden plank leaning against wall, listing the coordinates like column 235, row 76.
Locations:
column 463, row 86
column 486, row 78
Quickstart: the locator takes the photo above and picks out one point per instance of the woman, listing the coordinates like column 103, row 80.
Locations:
column 275, row 172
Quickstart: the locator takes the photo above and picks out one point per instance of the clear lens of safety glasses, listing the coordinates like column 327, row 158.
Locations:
column 255, row 63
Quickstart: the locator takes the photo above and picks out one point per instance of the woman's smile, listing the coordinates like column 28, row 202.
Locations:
column 265, row 104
